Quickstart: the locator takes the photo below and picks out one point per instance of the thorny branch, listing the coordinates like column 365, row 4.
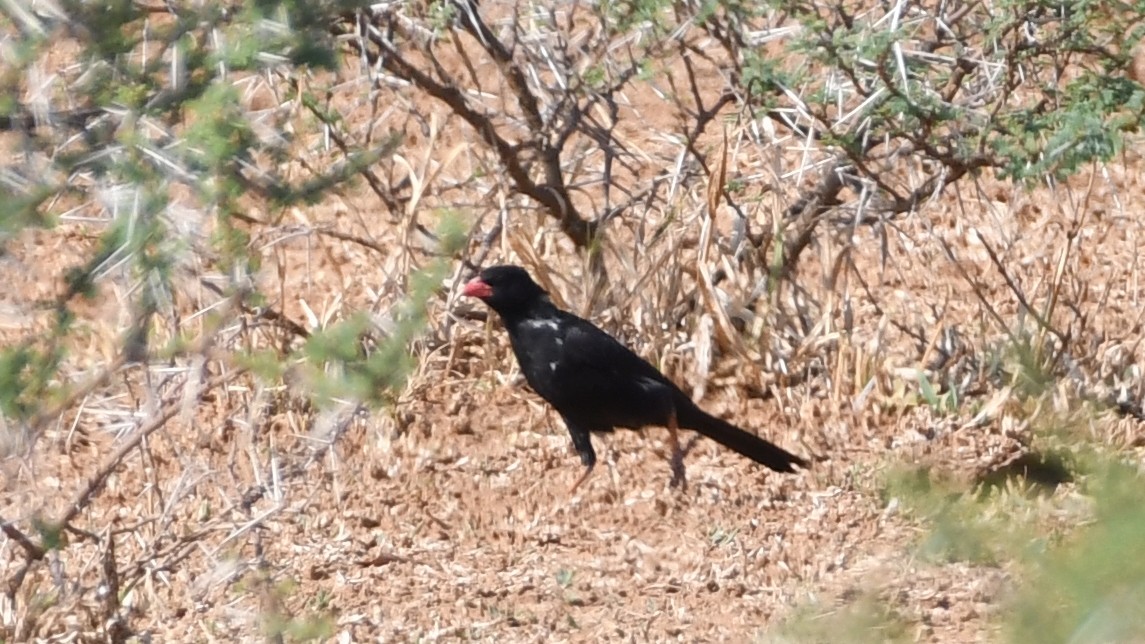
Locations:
column 373, row 34
column 95, row 484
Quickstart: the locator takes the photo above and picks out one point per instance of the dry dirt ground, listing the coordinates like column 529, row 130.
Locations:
column 446, row 515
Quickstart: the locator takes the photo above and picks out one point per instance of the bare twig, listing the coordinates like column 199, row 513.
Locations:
column 84, row 496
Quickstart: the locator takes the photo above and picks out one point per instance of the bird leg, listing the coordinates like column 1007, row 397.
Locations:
column 583, row 445
column 691, row 443
column 678, row 475
column 582, row 479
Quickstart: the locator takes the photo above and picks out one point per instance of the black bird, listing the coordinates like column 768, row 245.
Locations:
column 596, row 383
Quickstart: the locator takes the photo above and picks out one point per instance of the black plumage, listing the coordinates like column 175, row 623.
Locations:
column 597, row 384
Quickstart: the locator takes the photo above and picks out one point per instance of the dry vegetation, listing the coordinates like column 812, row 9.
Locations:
column 188, row 496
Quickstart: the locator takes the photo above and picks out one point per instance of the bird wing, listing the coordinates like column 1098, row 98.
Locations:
column 600, row 383
column 590, row 349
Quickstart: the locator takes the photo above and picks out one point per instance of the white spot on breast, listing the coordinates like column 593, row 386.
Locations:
column 544, row 323
column 553, row 366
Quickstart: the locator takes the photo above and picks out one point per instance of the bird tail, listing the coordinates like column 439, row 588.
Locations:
column 690, row 416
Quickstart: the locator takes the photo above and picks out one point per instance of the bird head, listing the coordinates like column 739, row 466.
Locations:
column 505, row 288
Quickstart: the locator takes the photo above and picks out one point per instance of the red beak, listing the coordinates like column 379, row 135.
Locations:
column 477, row 288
